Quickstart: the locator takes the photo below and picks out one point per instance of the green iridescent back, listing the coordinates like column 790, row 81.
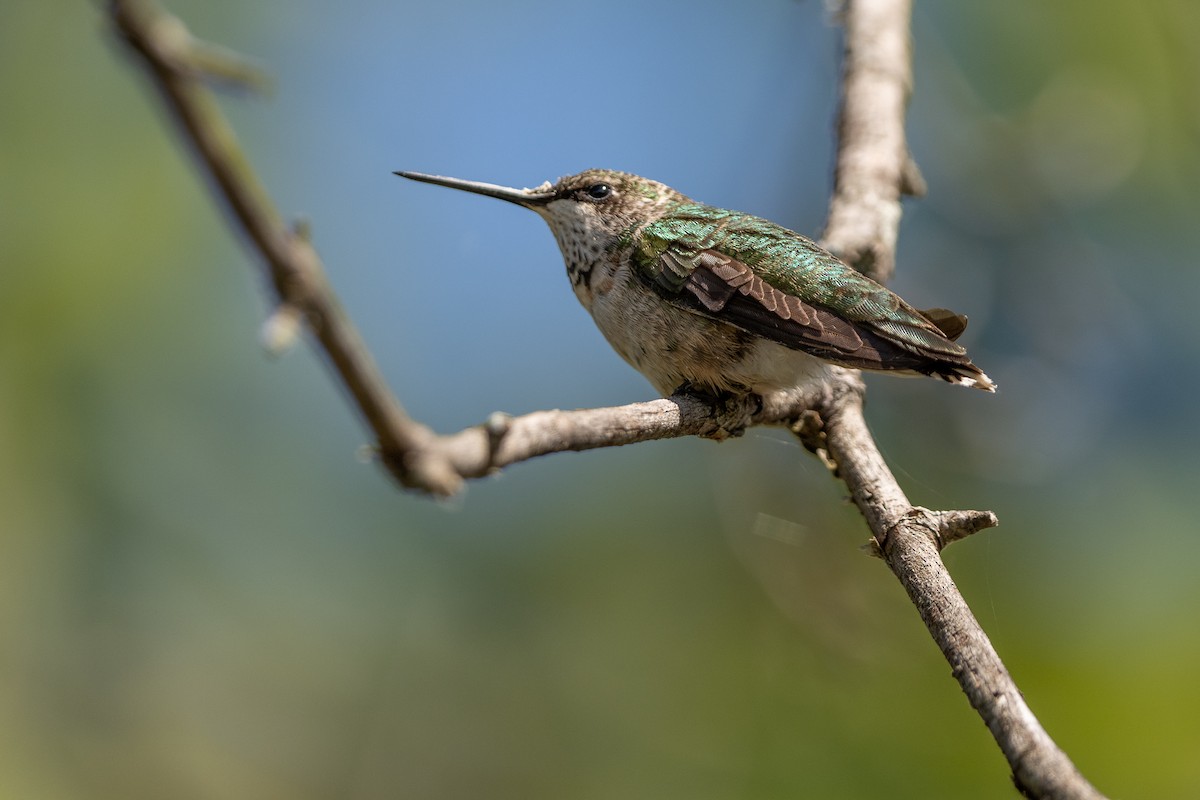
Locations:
column 788, row 261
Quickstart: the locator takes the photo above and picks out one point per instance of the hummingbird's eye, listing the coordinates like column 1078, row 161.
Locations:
column 598, row 191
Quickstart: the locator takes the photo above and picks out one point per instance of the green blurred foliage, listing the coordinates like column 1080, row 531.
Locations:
column 204, row 594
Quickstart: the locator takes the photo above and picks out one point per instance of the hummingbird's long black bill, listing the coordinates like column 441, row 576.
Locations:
column 522, row 197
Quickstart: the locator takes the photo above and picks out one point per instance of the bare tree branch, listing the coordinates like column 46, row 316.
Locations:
column 909, row 539
column 873, row 170
column 873, row 165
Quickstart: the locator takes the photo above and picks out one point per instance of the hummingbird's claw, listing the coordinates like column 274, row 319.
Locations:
column 732, row 412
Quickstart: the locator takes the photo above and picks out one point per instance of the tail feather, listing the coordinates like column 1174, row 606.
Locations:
column 964, row 375
column 948, row 322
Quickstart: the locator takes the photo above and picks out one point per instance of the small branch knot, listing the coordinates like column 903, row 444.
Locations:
column 281, row 329
column 941, row 527
column 496, row 427
column 497, row 424
column 955, row 525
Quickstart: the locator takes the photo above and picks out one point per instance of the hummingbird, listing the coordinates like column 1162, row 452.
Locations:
column 718, row 302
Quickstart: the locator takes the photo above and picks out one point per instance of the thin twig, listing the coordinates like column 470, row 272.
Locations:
column 873, row 170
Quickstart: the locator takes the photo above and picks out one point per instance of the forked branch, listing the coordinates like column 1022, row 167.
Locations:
column 873, row 170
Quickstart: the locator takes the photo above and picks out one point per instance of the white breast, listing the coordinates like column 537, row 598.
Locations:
column 671, row 346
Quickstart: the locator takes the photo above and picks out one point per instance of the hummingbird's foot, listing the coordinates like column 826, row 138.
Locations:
column 732, row 412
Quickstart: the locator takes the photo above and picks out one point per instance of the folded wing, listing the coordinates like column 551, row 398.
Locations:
column 873, row 330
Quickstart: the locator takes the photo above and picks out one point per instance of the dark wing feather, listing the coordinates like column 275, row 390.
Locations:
column 727, row 289
column 949, row 323
column 719, row 286
column 777, row 284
